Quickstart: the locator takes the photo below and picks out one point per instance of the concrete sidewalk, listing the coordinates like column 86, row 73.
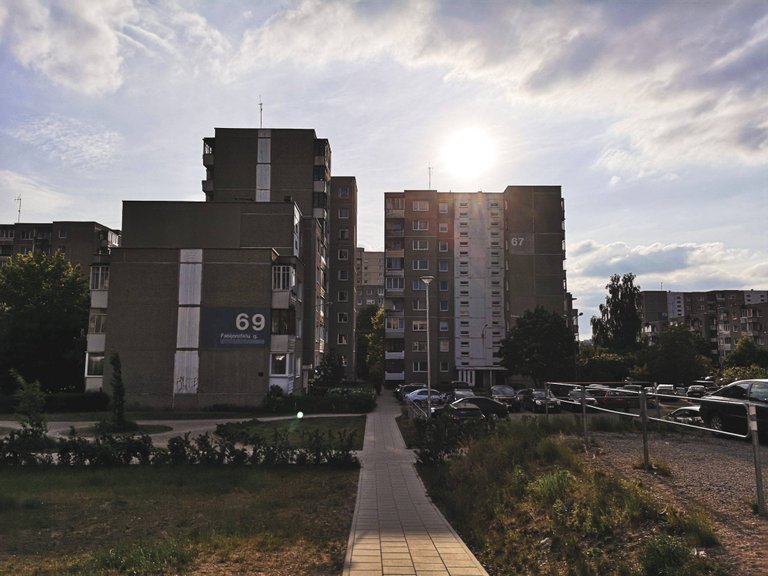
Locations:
column 396, row 530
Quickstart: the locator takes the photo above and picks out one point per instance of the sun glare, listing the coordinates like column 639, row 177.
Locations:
column 469, row 152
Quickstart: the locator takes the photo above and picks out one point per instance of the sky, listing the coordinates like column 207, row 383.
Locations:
column 651, row 116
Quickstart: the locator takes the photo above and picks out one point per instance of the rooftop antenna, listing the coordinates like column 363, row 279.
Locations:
column 18, row 199
column 429, row 169
column 261, row 113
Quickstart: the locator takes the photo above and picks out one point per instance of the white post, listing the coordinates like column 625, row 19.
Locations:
column 427, row 280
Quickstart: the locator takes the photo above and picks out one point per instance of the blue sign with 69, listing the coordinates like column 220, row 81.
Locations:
column 235, row 327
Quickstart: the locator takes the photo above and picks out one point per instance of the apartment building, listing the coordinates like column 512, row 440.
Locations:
column 343, row 292
column 720, row 317
column 369, row 277
column 460, row 268
column 216, row 302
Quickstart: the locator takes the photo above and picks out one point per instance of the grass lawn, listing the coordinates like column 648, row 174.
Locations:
column 175, row 520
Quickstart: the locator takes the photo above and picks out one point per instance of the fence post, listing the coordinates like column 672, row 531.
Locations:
column 644, row 427
column 756, row 451
column 584, row 415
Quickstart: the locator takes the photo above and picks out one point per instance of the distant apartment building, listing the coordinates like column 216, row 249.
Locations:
column 720, row 317
column 369, row 268
column 87, row 245
column 482, row 260
column 216, row 302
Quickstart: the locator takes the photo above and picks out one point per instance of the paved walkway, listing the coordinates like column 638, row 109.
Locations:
column 396, row 530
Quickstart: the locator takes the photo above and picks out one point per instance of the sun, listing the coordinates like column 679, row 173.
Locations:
column 469, row 152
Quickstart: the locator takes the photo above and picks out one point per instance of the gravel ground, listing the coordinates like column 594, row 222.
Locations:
column 717, row 474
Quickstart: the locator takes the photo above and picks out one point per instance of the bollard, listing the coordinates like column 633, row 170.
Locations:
column 756, row 451
column 644, row 426
column 584, row 415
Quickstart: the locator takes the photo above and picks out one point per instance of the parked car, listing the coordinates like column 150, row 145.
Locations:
column 696, row 391
column 405, row 389
column 612, row 399
column 537, row 400
column 464, row 411
column 489, row 406
column 686, row 415
column 666, row 393
column 633, row 392
column 459, row 393
column 506, row 395
column 422, row 394
column 726, row 409
column 574, row 399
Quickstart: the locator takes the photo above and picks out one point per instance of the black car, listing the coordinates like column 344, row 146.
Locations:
column 506, row 395
column 537, row 400
column 726, row 409
column 462, row 412
column 489, row 406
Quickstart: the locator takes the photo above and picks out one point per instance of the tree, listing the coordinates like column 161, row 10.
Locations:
column 676, row 357
column 541, row 346
column 330, row 371
column 364, row 328
column 375, row 352
column 118, row 392
column 746, row 353
column 30, row 404
column 44, row 302
column 618, row 328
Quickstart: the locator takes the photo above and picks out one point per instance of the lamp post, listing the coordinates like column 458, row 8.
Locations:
column 427, row 280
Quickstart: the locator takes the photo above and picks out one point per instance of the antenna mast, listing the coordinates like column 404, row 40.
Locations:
column 429, row 170
column 18, row 199
column 261, row 113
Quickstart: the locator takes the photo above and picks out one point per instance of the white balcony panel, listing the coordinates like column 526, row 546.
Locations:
column 96, row 342
column 99, row 298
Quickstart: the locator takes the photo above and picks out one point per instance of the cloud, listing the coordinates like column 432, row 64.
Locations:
column 38, row 198
column 71, row 142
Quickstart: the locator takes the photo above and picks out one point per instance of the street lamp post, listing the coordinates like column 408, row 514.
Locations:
column 427, row 280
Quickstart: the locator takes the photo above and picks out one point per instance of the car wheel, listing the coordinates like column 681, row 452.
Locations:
column 716, row 422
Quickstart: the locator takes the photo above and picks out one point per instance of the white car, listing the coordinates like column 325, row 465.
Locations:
column 421, row 396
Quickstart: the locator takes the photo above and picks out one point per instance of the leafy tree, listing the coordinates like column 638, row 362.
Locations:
column 364, row 329
column 541, row 346
column 375, row 353
column 30, row 404
column 676, row 357
column 330, row 371
column 746, row 353
column 742, row 373
column 118, row 392
column 618, row 328
column 602, row 367
column 44, row 304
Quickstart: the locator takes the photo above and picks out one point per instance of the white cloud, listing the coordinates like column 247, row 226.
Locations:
column 38, row 198
column 71, row 142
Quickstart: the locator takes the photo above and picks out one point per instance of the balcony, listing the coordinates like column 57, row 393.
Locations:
column 394, row 376
column 394, row 355
column 207, row 186
column 282, row 343
column 394, row 333
column 394, row 213
column 395, row 253
column 207, row 160
column 394, row 272
column 394, row 232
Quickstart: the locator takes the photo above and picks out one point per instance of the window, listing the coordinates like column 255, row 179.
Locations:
column 443, row 207
column 394, row 283
column 95, row 365
column 420, row 206
column 444, row 286
column 283, row 321
column 443, row 326
column 97, row 321
column 419, row 325
column 419, row 365
column 99, row 277
column 442, row 246
column 418, row 286
column 341, row 339
column 344, row 192
column 443, row 305
column 282, row 277
column 343, row 233
column 394, row 203
column 343, row 254
column 443, row 227
column 443, row 265
column 280, row 364
column 342, row 317
column 62, row 234
column 394, row 323
column 343, row 296
column 27, row 235
column 445, row 345
column 444, row 366
column 343, row 275
column 7, row 233
column 420, row 225
column 419, row 346
column 419, row 304
column 420, row 265
column 394, row 263
column 420, row 244
column 343, row 213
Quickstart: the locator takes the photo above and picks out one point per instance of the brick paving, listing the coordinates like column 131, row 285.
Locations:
column 396, row 529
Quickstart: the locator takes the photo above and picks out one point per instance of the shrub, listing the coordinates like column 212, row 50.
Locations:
column 665, row 556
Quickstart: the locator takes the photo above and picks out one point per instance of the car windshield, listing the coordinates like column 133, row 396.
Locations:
column 541, row 394
column 504, row 390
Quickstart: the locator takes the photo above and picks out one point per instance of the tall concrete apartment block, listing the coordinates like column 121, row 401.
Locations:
column 369, row 270
column 492, row 257
column 720, row 317
column 216, row 302
column 343, row 292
